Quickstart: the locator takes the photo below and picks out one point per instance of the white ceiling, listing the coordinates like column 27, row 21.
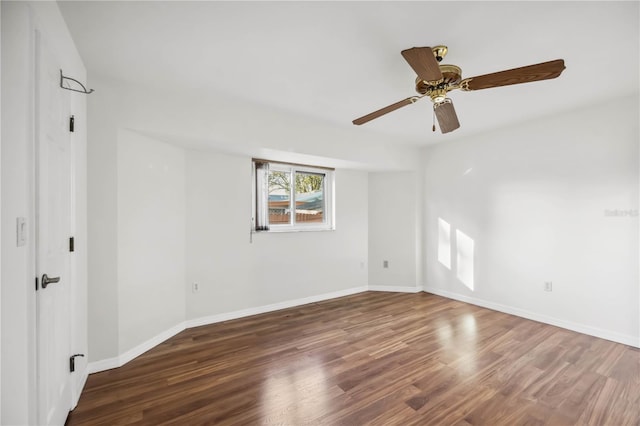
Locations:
column 336, row 61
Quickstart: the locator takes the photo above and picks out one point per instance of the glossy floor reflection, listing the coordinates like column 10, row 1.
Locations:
column 372, row 358
column 296, row 393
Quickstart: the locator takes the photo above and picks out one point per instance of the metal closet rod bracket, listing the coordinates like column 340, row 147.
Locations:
column 84, row 89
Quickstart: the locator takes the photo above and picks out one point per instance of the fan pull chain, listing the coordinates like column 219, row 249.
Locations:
column 434, row 120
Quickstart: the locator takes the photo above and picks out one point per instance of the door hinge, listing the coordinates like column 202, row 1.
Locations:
column 72, row 123
column 71, row 244
column 72, row 362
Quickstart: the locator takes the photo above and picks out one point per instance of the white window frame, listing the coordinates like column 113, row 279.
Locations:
column 328, row 223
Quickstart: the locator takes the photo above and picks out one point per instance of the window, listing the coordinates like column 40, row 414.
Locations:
column 292, row 197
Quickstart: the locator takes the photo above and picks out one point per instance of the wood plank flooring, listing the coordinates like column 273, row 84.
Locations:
column 372, row 358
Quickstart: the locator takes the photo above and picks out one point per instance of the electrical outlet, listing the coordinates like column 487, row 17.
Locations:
column 548, row 286
column 195, row 287
column 385, row 263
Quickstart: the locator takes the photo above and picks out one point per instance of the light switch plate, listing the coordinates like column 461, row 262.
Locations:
column 21, row 231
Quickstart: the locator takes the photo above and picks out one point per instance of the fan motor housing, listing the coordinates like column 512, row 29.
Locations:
column 451, row 77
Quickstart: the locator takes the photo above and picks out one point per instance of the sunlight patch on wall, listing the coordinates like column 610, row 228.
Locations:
column 464, row 259
column 444, row 243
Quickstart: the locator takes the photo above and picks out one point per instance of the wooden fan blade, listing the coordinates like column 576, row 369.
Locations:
column 447, row 117
column 543, row 71
column 385, row 110
column 423, row 62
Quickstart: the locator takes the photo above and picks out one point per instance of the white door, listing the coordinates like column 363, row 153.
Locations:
column 53, row 201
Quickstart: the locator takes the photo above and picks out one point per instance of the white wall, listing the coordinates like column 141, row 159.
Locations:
column 18, row 308
column 137, row 221
column 227, row 124
column 394, row 234
column 19, row 21
column 126, row 124
column 234, row 274
column 102, row 201
column 533, row 198
column 151, row 238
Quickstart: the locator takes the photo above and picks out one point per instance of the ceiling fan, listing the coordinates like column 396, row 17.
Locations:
column 435, row 81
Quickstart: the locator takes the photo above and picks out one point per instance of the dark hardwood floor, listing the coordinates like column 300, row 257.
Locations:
column 372, row 358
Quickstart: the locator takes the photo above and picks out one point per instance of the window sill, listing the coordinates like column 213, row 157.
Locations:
column 285, row 230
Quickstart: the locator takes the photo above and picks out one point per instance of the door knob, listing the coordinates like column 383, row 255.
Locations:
column 48, row 280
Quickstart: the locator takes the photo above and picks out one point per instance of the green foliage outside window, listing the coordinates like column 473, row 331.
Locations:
column 305, row 182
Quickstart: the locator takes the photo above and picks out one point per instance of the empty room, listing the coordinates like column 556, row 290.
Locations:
column 320, row 213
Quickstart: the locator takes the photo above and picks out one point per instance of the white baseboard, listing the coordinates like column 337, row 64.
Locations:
column 395, row 289
column 212, row 319
column 103, row 365
column 150, row 344
column 119, row 361
column 580, row 328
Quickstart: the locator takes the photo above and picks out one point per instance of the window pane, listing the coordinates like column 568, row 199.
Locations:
column 279, row 197
column 309, row 197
